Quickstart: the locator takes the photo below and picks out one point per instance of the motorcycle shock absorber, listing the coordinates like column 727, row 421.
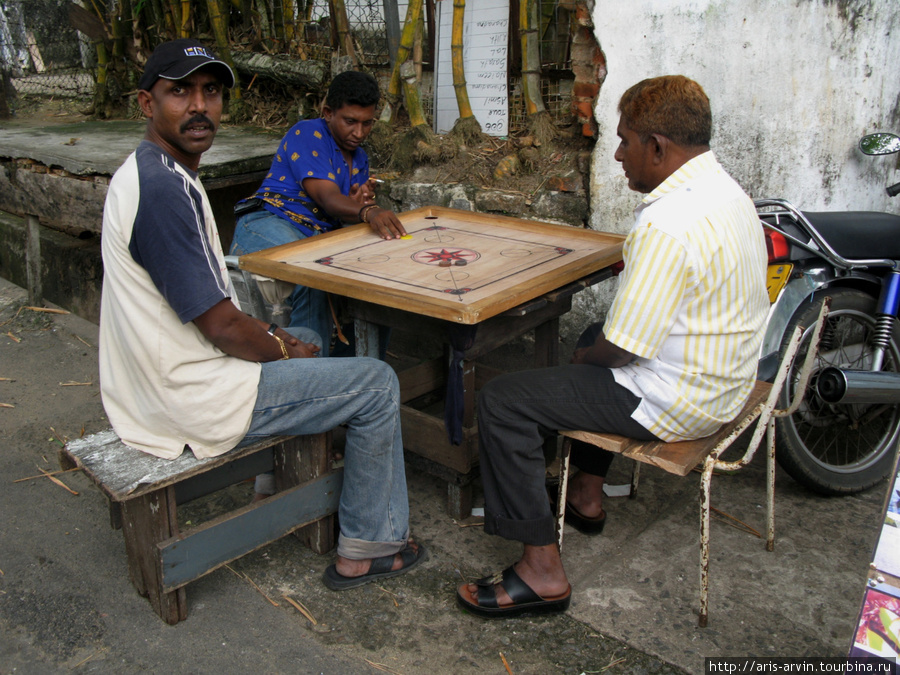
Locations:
column 888, row 305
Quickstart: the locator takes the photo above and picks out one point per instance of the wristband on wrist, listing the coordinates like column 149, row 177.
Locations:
column 364, row 211
column 284, row 352
column 271, row 329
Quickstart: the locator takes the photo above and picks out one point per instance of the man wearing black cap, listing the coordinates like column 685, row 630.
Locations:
column 181, row 365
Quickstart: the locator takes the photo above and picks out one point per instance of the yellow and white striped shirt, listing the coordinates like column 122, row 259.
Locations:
column 692, row 302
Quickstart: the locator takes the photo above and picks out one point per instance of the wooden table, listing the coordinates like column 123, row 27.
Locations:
column 506, row 276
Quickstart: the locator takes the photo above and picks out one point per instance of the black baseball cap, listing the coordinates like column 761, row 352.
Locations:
column 179, row 58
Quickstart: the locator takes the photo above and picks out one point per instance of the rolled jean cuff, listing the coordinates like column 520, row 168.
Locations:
column 360, row 549
column 536, row 532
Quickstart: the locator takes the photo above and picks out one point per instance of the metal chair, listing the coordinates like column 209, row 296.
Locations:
column 680, row 458
column 260, row 297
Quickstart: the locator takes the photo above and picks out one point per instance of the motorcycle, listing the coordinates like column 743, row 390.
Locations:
column 844, row 436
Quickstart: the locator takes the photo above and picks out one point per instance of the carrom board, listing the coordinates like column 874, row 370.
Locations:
column 456, row 265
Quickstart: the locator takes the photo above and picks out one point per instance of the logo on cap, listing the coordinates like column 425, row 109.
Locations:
column 198, row 51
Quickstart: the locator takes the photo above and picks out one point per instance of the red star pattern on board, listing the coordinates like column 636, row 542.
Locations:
column 444, row 254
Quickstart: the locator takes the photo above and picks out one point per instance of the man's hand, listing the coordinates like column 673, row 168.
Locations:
column 385, row 223
column 602, row 353
column 244, row 337
column 328, row 195
column 363, row 194
column 296, row 348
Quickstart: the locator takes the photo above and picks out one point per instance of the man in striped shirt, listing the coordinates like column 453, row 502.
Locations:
column 675, row 359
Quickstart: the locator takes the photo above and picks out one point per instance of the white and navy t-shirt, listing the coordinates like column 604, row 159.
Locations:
column 164, row 384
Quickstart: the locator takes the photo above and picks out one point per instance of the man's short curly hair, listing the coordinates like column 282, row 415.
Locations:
column 673, row 106
column 354, row 88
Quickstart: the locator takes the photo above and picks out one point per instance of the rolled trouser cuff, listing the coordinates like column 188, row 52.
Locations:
column 535, row 532
column 360, row 549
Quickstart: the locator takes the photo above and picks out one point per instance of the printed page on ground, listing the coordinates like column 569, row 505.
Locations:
column 457, row 265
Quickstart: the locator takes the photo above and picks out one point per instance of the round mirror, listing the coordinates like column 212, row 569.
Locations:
column 880, row 144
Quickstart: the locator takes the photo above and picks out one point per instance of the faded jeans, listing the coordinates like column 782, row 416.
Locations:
column 311, row 396
column 262, row 229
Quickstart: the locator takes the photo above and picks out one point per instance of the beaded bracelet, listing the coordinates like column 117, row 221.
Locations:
column 364, row 211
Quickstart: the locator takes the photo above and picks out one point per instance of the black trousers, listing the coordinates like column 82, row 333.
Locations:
column 516, row 412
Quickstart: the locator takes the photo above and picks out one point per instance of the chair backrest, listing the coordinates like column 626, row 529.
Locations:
column 806, row 368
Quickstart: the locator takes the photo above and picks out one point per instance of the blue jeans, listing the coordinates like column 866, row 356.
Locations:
column 311, row 396
column 261, row 229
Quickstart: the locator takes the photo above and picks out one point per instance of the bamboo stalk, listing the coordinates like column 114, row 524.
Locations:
column 278, row 19
column 345, row 39
column 419, row 47
column 220, row 28
column 411, row 95
column 531, row 58
column 407, row 38
column 174, row 7
column 456, row 51
column 287, row 14
column 185, row 30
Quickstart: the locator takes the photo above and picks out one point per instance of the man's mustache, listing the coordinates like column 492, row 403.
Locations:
column 198, row 119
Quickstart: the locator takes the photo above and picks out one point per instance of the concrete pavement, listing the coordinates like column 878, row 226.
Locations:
column 66, row 603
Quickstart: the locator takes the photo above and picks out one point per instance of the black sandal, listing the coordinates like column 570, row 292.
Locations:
column 525, row 600
column 379, row 569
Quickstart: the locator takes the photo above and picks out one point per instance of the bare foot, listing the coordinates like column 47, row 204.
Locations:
column 540, row 568
column 585, row 494
column 356, row 568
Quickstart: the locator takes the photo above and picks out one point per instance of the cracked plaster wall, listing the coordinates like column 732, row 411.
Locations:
column 793, row 86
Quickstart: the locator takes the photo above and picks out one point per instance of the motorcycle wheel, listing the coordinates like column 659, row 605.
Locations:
column 838, row 449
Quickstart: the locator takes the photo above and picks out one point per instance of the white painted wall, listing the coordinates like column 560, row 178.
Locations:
column 793, row 86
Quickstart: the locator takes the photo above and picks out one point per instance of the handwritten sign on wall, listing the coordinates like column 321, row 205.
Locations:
column 485, row 53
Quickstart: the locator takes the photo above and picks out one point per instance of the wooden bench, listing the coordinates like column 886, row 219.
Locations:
column 146, row 491
column 682, row 457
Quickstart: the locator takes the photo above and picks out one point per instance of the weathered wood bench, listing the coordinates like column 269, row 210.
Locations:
column 145, row 493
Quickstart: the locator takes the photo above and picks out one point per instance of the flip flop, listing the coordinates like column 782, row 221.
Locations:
column 525, row 600
column 380, row 569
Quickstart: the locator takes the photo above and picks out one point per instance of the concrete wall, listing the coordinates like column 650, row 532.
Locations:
column 793, row 86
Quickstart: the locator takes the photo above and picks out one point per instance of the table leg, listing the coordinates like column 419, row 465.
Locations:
column 146, row 521
column 368, row 338
column 459, row 500
column 546, row 344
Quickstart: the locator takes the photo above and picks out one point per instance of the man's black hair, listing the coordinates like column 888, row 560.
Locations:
column 354, row 88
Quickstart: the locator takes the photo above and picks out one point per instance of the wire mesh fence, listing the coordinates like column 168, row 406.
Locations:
column 40, row 52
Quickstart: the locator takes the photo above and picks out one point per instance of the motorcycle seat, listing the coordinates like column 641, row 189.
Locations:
column 859, row 234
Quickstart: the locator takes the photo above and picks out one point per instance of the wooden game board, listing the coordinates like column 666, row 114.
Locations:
column 456, row 265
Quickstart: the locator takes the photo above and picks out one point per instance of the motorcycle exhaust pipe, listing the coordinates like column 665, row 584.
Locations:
column 858, row 386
